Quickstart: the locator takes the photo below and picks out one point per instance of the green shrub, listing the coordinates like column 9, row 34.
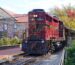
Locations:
column 70, row 60
column 9, row 41
column 15, row 41
column 73, row 43
column 5, row 41
column 1, row 42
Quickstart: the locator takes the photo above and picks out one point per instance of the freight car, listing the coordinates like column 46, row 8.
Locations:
column 46, row 33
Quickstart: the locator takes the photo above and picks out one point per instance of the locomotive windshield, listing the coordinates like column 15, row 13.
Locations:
column 39, row 19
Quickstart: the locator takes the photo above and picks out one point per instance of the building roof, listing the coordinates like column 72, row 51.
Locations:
column 4, row 11
column 10, row 12
column 20, row 18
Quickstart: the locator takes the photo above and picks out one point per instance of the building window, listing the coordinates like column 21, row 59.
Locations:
column 5, row 26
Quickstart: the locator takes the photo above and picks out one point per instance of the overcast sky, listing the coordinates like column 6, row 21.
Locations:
column 23, row 6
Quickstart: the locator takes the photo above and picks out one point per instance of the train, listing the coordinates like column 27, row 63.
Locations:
column 46, row 33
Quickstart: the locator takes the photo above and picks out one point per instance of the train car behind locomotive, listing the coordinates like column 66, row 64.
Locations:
column 45, row 33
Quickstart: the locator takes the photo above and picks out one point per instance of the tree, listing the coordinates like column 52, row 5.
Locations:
column 67, row 15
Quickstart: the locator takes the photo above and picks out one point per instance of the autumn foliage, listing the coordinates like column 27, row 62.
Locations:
column 67, row 15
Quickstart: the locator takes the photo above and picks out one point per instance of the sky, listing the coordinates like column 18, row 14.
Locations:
column 24, row 6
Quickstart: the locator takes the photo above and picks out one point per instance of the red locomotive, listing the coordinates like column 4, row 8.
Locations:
column 46, row 33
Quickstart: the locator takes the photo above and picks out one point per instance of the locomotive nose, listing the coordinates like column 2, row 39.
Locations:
column 33, row 46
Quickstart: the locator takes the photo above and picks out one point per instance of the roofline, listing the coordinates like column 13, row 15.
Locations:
column 21, row 22
column 8, row 13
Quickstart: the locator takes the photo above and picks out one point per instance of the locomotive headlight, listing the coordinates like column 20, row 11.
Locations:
column 58, row 44
column 35, row 15
column 26, row 41
column 42, row 41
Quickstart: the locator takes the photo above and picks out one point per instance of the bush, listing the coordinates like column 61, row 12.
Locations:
column 5, row 41
column 1, row 42
column 70, row 60
column 15, row 41
column 9, row 41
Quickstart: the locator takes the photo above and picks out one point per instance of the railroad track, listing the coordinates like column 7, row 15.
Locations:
column 21, row 60
column 54, row 59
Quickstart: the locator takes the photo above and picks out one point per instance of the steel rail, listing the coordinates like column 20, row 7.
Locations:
column 62, row 58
